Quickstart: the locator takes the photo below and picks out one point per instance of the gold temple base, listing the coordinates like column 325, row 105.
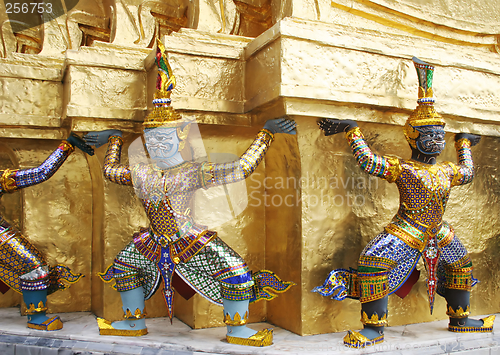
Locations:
column 263, row 337
column 105, row 328
column 50, row 324
column 357, row 340
column 487, row 327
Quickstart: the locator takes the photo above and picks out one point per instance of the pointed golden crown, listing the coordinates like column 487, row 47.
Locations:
column 424, row 114
column 163, row 115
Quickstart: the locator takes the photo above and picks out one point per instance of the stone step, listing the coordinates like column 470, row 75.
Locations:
column 80, row 335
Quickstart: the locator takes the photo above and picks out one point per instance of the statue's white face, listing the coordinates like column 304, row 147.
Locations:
column 162, row 144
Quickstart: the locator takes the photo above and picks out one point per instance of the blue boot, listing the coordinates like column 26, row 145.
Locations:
column 236, row 317
column 36, row 302
column 134, row 323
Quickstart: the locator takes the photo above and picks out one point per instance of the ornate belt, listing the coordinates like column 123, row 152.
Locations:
column 417, row 238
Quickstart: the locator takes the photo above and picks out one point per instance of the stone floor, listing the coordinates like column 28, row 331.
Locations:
column 81, row 336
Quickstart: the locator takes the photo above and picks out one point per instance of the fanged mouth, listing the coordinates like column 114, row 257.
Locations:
column 159, row 152
column 434, row 146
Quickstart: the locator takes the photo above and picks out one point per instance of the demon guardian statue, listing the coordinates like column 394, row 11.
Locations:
column 174, row 245
column 417, row 229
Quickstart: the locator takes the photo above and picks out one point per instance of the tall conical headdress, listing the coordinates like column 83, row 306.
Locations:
column 424, row 114
column 163, row 115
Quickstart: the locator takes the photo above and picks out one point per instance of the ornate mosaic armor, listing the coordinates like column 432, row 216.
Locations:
column 417, row 229
column 173, row 243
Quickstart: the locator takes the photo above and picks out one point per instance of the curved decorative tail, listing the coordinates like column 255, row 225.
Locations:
column 267, row 284
column 59, row 273
column 108, row 275
column 339, row 284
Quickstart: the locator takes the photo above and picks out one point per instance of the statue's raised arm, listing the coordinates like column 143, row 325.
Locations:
column 12, row 180
column 463, row 173
column 387, row 168
column 225, row 173
column 113, row 170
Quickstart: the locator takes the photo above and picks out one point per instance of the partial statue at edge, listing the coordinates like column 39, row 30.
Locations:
column 387, row 264
column 175, row 248
column 22, row 267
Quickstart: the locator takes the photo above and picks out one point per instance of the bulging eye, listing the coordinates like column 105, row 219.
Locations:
column 163, row 138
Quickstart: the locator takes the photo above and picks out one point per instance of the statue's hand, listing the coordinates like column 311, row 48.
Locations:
column 332, row 126
column 98, row 139
column 281, row 125
column 78, row 142
column 473, row 138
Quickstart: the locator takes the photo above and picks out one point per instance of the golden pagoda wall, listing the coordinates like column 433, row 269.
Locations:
column 310, row 208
